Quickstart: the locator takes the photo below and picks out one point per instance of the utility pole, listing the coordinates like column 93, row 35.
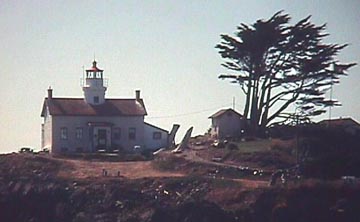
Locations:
column 233, row 102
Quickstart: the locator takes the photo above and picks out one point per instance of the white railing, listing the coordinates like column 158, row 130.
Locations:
column 105, row 82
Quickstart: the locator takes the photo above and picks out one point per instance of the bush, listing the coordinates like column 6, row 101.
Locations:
column 329, row 153
column 232, row 146
column 286, row 146
column 148, row 154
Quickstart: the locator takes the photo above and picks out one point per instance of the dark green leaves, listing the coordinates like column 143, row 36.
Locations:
column 279, row 63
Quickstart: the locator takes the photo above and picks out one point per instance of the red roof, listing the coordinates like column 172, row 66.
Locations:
column 79, row 107
column 94, row 68
column 223, row 111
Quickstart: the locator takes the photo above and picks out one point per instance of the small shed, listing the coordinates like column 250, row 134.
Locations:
column 227, row 123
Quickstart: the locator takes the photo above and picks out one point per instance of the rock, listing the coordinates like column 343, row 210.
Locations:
column 202, row 211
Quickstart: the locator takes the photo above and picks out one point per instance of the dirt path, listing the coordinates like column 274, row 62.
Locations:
column 252, row 183
column 82, row 169
column 191, row 155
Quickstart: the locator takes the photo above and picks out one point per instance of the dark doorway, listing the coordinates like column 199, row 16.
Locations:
column 102, row 139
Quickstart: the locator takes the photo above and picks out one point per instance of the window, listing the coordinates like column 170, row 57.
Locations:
column 96, row 99
column 157, row 135
column 98, row 75
column 132, row 133
column 79, row 133
column 63, row 133
column 91, row 75
column 117, row 133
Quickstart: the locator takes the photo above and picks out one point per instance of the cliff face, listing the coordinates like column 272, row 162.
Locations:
column 140, row 200
column 32, row 190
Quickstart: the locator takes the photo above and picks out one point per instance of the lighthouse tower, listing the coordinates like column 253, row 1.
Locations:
column 94, row 87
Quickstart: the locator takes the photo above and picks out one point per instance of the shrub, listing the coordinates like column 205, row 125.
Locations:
column 329, row 153
column 232, row 146
column 286, row 146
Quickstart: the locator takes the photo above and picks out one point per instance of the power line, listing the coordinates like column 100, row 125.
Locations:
column 190, row 113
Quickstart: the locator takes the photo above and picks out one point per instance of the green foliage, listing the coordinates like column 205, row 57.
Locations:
column 329, row 153
column 253, row 146
column 278, row 64
column 147, row 154
column 232, row 146
column 284, row 146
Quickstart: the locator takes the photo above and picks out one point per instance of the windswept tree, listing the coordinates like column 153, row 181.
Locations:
column 278, row 65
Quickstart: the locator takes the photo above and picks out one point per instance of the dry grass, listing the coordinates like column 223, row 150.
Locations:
column 82, row 169
column 286, row 146
column 253, row 146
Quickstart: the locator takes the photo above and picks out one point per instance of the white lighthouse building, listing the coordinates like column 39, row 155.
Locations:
column 95, row 123
column 93, row 87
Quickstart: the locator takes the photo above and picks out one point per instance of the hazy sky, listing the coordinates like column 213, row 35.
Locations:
column 164, row 48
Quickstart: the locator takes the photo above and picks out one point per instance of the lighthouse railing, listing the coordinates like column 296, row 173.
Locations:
column 105, row 82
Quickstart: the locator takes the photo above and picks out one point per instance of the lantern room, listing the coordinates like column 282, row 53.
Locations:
column 94, row 72
column 94, row 87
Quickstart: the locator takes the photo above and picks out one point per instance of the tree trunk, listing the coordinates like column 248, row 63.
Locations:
column 264, row 118
column 247, row 103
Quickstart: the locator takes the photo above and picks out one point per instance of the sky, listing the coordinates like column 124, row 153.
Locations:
column 164, row 48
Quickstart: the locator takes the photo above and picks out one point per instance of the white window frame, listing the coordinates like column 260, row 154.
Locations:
column 79, row 133
column 64, row 133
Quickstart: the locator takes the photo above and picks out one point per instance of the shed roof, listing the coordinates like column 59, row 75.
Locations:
column 79, row 107
column 224, row 111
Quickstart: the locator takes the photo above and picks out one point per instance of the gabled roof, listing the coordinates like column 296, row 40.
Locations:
column 79, row 107
column 224, row 111
column 341, row 122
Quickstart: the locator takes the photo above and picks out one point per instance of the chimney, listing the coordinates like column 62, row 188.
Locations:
column 137, row 95
column 50, row 92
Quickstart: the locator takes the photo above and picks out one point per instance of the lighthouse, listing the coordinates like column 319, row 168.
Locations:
column 92, row 124
column 94, row 86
